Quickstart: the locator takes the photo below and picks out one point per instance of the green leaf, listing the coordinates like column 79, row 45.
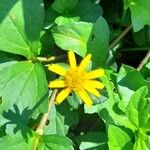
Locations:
column 50, row 16
column 23, row 84
column 16, row 141
column 47, row 44
column 15, row 120
column 57, row 123
column 64, row 6
column 4, row 57
column 126, row 83
column 88, row 10
column 20, row 25
column 92, row 140
column 55, row 142
column 148, row 65
column 74, row 101
column 118, row 139
column 108, row 110
column 73, row 36
column 146, row 71
column 61, row 118
column 142, row 142
column 61, row 20
column 144, row 35
column 2, row 131
column 98, row 42
column 138, row 109
column 139, row 13
column 70, row 114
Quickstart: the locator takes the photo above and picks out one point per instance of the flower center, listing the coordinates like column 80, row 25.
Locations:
column 74, row 79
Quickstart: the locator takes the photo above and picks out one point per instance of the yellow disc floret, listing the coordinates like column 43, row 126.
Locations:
column 75, row 79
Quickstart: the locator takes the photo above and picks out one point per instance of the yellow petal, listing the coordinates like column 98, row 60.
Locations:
column 57, row 69
column 92, row 90
column 57, row 84
column 85, row 62
column 95, row 84
column 72, row 59
column 95, row 74
column 62, row 95
column 84, row 96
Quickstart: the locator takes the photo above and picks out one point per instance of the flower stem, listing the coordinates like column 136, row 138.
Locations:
column 44, row 119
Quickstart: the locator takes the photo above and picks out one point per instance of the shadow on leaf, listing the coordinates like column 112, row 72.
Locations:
column 20, row 118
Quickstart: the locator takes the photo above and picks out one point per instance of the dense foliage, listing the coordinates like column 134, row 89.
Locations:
column 37, row 33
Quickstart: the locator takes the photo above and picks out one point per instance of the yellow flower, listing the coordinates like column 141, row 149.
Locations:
column 76, row 79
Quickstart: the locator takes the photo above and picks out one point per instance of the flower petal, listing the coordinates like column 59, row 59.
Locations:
column 85, row 62
column 84, row 96
column 57, row 84
column 72, row 59
column 91, row 90
column 57, row 69
column 95, row 84
column 62, row 95
column 95, row 74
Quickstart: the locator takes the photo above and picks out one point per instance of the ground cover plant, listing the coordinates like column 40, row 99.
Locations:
column 75, row 74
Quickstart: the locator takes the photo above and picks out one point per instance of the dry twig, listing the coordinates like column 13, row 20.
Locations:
column 144, row 61
column 44, row 119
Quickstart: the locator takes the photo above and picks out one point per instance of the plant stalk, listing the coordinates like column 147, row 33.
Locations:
column 119, row 37
column 44, row 119
column 144, row 61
